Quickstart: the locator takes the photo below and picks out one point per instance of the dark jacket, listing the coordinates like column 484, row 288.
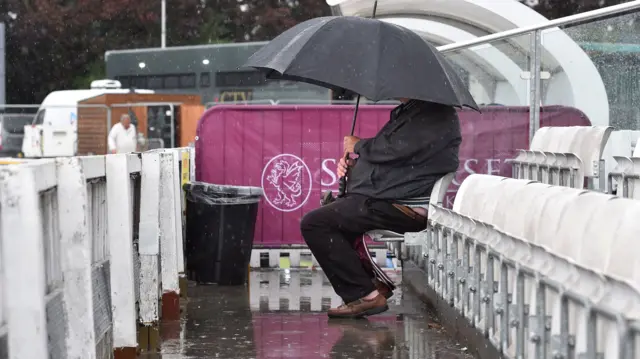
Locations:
column 411, row 152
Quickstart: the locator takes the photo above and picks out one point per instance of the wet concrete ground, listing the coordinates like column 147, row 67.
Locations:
column 280, row 314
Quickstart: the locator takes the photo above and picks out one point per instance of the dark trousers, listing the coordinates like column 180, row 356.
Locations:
column 331, row 230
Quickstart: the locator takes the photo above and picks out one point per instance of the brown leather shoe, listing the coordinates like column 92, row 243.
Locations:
column 383, row 289
column 360, row 308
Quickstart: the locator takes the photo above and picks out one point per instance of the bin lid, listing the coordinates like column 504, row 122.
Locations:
column 203, row 192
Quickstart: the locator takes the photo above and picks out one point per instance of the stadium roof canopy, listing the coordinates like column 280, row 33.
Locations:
column 498, row 71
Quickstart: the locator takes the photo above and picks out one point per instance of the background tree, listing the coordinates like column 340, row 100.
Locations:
column 60, row 44
column 553, row 9
column 617, row 29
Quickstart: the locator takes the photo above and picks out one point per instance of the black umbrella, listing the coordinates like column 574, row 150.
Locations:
column 370, row 57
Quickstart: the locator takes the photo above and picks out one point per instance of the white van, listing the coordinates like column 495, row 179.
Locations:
column 54, row 131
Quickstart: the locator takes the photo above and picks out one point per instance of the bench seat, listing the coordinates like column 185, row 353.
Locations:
column 394, row 240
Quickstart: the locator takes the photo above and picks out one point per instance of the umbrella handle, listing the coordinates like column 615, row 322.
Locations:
column 342, row 189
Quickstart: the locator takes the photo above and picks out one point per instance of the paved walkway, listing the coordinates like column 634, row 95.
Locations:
column 221, row 322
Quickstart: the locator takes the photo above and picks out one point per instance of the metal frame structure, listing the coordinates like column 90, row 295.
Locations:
column 536, row 48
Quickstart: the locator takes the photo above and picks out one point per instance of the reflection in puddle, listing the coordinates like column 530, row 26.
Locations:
column 306, row 291
column 279, row 317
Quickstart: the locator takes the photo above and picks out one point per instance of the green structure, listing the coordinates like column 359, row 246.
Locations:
column 212, row 71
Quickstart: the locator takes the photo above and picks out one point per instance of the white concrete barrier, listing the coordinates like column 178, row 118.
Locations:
column 74, row 233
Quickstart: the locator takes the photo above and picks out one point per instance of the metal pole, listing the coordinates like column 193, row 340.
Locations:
column 534, row 84
column 163, row 20
column 173, row 123
column 2, row 65
column 342, row 189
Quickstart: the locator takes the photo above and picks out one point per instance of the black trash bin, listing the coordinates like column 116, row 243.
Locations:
column 220, row 226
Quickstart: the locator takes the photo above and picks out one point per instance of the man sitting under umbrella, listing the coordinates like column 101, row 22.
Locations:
column 396, row 170
column 388, row 188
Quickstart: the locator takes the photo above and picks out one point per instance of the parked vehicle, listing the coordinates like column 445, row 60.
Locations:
column 54, row 131
column 161, row 120
column 12, row 133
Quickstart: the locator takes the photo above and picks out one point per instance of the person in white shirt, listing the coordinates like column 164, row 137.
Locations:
column 122, row 137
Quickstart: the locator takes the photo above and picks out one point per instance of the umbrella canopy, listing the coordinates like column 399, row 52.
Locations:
column 370, row 57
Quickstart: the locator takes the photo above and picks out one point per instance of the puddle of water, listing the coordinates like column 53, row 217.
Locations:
column 280, row 314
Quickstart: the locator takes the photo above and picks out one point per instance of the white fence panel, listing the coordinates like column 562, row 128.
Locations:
column 149, row 242
column 72, row 286
column 120, row 234
column 76, row 254
column 3, row 309
column 94, row 170
column 24, row 261
column 168, row 223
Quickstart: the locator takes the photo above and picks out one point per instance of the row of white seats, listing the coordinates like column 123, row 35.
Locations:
column 554, row 148
column 626, row 175
column 563, row 155
column 591, row 229
column 579, row 240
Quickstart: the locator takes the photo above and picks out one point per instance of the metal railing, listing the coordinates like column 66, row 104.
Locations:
column 534, row 54
column 293, row 101
column 567, row 20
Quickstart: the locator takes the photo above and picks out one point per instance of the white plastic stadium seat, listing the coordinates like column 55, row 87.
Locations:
column 504, row 200
column 623, row 168
column 575, row 218
column 609, row 235
column 549, row 220
column 591, row 147
column 627, row 171
column 606, row 249
column 438, row 194
column 634, row 186
column 558, row 139
column 518, row 213
column 581, row 146
column 540, row 141
column 473, row 190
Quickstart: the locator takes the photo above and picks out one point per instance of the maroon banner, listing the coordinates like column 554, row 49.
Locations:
column 291, row 151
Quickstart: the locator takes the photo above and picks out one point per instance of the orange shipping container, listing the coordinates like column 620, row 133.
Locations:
column 152, row 115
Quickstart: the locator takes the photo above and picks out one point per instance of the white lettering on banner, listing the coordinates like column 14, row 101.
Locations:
column 329, row 178
column 286, row 182
column 470, row 166
column 329, row 172
column 490, row 168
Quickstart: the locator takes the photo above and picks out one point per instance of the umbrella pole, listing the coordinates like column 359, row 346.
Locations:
column 343, row 180
column 355, row 116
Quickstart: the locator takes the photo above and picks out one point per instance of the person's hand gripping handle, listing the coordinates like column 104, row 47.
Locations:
column 343, row 171
column 346, row 162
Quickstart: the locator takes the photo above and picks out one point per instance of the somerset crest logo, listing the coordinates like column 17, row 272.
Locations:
column 286, row 181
